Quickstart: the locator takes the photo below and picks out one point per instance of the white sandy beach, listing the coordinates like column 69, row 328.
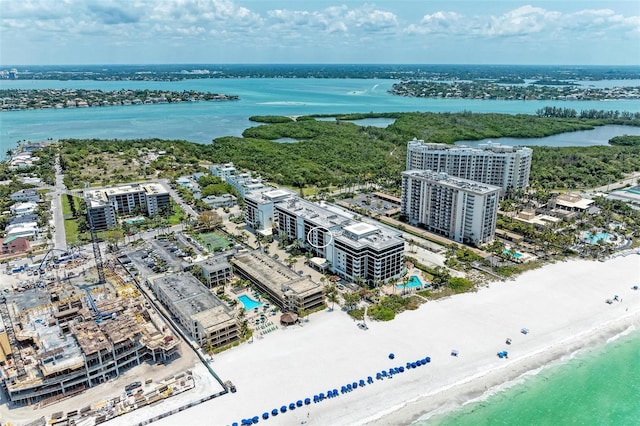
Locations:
column 563, row 306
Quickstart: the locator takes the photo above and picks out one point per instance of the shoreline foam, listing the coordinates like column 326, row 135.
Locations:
column 500, row 380
column 562, row 304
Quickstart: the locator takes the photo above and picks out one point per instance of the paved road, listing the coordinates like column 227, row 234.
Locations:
column 631, row 179
column 176, row 197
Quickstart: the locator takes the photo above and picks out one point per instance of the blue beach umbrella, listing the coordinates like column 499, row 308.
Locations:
column 361, row 382
column 292, row 406
column 274, row 412
column 265, row 416
column 255, row 419
column 307, row 401
column 391, row 356
column 299, row 403
column 283, row 409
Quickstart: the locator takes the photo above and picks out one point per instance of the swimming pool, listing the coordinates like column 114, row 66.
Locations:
column 248, row 302
column 413, row 282
column 508, row 253
column 594, row 238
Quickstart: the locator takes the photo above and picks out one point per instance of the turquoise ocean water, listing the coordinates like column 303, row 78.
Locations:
column 597, row 386
column 203, row 121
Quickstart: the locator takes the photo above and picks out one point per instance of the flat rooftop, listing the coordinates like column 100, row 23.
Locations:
column 274, row 275
column 214, row 264
column 342, row 224
column 187, row 294
column 444, row 179
column 479, row 149
column 102, row 194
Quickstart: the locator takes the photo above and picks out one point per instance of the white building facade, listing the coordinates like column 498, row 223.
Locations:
column 355, row 250
column 462, row 210
column 103, row 205
column 501, row 165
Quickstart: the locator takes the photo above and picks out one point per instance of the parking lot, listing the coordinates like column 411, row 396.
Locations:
column 374, row 204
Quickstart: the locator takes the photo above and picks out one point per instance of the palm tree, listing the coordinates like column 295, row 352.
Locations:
column 332, row 295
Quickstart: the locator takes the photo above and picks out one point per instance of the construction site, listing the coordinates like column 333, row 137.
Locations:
column 61, row 339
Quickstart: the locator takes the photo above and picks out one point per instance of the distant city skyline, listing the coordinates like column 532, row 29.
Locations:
column 569, row 32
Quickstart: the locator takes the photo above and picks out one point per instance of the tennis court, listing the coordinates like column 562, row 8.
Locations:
column 213, row 241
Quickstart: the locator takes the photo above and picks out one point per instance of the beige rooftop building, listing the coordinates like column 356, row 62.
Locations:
column 288, row 290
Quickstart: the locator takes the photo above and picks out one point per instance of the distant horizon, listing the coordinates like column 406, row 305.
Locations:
column 317, row 64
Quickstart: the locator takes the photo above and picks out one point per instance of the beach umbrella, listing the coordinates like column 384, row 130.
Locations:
column 274, row 412
column 369, row 379
column 335, row 392
column 354, row 385
column 413, row 365
column 428, row 359
column 343, row 389
column 315, row 398
column 255, row 419
column 321, row 396
column 299, row 403
column 292, row 406
column 378, row 376
column 307, row 401
column 283, row 409
column 329, row 394
column 401, row 369
column 391, row 356
column 234, row 424
column 419, row 362
column 265, row 416
column 361, row 382
column 384, row 373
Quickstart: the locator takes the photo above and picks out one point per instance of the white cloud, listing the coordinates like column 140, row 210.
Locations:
column 522, row 21
column 440, row 22
column 55, row 26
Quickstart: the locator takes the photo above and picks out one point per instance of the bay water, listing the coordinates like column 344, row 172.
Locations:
column 203, row 121
column 600, row 386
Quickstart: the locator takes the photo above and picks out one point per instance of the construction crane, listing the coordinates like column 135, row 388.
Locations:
column 94, row 237
column 46, row 257
column 99, row 315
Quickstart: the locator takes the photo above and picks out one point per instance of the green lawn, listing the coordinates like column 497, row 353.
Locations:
column 70, row 224
column 174, row 219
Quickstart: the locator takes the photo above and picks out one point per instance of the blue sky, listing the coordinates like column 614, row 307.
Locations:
column 42, row 32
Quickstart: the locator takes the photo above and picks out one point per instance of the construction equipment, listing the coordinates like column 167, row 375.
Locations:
column 94, row 236
column 99, row 315
column 13, row 343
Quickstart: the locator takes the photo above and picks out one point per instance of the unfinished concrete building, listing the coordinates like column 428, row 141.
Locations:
column 288, row 290
column 59, row 347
